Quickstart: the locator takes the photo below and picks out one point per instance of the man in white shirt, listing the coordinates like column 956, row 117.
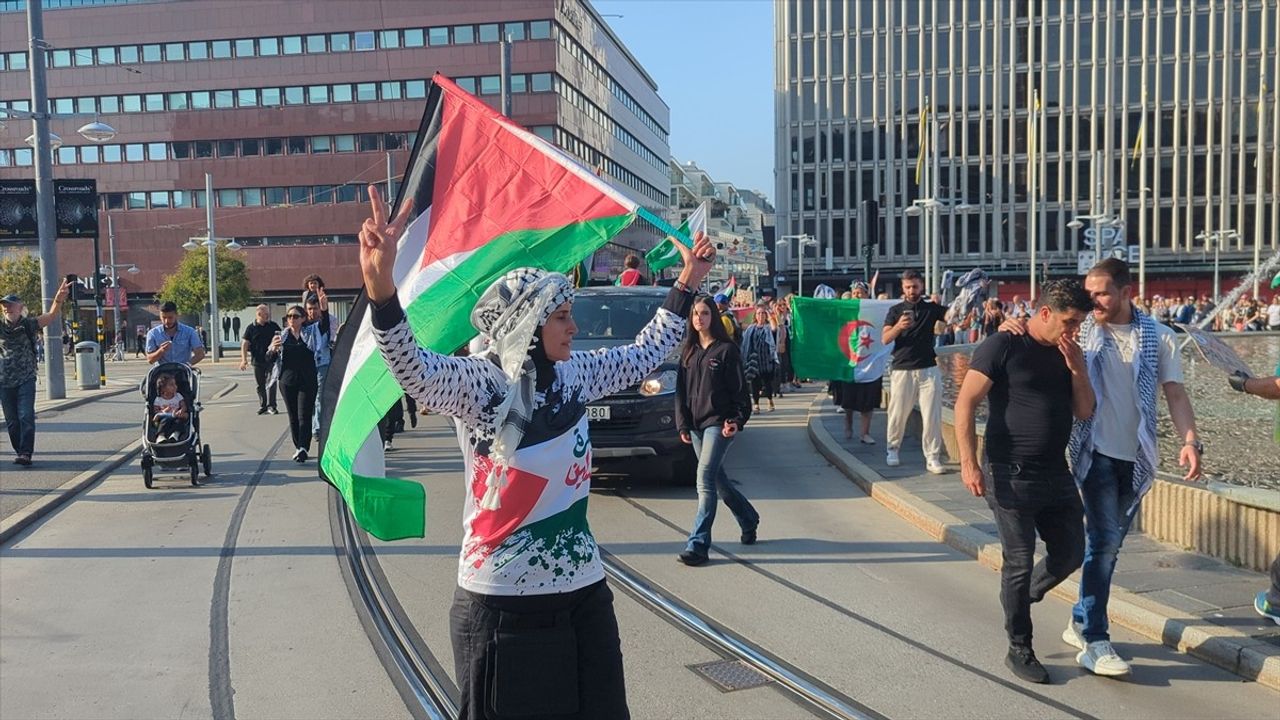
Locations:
column 1273, row 313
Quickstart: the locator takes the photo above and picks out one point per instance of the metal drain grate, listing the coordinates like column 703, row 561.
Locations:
column 731, row 675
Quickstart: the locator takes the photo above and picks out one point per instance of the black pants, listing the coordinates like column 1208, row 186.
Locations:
column 474, row 618
column 762, row 386
column 266, row 396
column 300, row 402
column 1026, row 502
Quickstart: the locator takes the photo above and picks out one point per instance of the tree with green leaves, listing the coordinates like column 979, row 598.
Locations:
column 20, row 275
column 188, row 285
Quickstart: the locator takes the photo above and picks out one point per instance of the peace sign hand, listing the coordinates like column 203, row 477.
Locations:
column 378, row 239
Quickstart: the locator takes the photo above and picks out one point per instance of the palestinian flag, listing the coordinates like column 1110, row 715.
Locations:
column 839, row 339
column 488, row 197
column 664, row 254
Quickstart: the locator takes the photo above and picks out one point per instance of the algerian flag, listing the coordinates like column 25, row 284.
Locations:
column 839, row 339
column 664, row 254
column 489, row 196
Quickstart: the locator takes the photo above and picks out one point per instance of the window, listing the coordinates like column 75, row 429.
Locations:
column 157, row 151
column 299, row 195
column 112, row 153
column 106, row 56
column 467, row 83
column 464, row 34
column 221, row 49
column 340, row 42
column 23, row 157
column 541, row 82
column 365, row 40
column 83, row 58
column 155, row 102
column 347, row 193
column 315, row 43
column 245, row 47
column 250, row 148
column 64, row 105
column 224, row 98
column 198, row 51
column 66, row 155
column 342, row 93
column 200, row 100
column 321, row 144
column 136, row 201
column 180, row 150
column 392, row 141
column 415, row 89
column 175, row 51
column 204, row 148
column 293, row 96
column 292, row 44
column 268, row 46
column 61, row 58
column 318, row 94
column 389, row 39
column 159, row 199
column 540, row 30
column 229, row 197
column 247, row 97
column 151, row 53
column 227, row 148
column 368, row 142
column 270, row 97
column 178, row 101
column 17, row 61
column 391, row 90
column 128, row 54
column 181, row 199
column 132, row 103
column 252, row 197
column 519, row 84
column 115, row 201
column 413, row 37
column 86, row 105
column 322, row 193
column 109, row 104
column 438, row 36
column 274, row 146
column 274, row 196
column 490, row 85
column 514, row 31
column 89, row 154
column 297, row 145
column 344, row 143
column 367, row 92
column 489, row 33
column 198, row 198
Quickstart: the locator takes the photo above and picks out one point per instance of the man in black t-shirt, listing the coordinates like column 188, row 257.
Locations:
column 253, row 346
column 1035, row 383
column 914, row 375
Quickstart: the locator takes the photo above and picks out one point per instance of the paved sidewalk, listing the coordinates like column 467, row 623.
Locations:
column 1191, row 602
column 121, row 378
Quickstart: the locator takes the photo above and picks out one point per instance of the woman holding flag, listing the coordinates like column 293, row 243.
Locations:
column 532, row 623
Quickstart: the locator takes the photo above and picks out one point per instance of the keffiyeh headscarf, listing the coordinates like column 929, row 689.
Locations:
column 509, row 313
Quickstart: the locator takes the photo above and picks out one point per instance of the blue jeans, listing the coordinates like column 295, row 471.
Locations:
column 321, row 373
column 1107, row 492
column 710, row 446
column 19, row 403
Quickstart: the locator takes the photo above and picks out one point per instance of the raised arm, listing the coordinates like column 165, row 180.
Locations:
column 55, row 308
column 608, row 370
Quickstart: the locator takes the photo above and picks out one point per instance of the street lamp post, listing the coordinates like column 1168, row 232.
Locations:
column 111, row 268
column 802, row 241
column 1217, row 237
column 210, row 242
column 928, row 208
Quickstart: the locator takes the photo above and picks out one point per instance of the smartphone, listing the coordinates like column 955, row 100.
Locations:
column 72, row 278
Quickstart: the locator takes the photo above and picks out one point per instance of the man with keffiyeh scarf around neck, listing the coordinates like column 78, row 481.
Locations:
column 1114, row 454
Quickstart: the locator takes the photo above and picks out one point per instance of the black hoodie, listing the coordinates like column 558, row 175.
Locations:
column 711, row 388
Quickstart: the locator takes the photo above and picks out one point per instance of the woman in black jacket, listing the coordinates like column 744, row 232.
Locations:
column 712, row 405
column 297, row 378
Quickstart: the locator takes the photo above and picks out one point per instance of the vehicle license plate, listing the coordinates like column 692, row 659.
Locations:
column 598, row 412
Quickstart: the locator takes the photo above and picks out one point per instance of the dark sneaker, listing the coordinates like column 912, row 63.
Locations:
column 1022, row 661
column 691, row 558
column 749, row 537
column 22, row 460
column 262, row 411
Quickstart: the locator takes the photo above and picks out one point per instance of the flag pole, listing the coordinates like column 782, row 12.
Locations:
column 1142, row 169
column 1032, row 180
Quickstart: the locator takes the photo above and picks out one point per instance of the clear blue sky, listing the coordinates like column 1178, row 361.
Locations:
column 713, row 62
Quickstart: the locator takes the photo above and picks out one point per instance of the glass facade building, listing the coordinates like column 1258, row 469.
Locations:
column 1158, row 114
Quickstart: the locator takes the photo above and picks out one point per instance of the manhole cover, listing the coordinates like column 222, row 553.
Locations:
column 731, row 675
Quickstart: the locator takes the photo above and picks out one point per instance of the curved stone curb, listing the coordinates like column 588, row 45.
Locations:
column 67, row 404
column 1228, row 649
column 50, row 501
column 226, row 390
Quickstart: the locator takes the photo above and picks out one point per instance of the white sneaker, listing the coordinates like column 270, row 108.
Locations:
column 297, row 453
column 935, row 467
column 1073, row 635
column 1100, row 658
column 868, row 440
column 386, row 446
column 891, row 458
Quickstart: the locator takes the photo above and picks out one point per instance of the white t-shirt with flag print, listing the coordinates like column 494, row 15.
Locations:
column 538, row 542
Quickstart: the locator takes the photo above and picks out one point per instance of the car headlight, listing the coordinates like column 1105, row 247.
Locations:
column 659, row 383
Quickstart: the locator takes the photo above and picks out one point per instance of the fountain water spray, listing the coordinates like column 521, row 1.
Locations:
column 1246, row 283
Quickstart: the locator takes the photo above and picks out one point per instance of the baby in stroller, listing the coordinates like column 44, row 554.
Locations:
column 169, row 410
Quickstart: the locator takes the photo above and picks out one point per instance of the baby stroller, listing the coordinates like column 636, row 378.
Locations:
column 179, row 451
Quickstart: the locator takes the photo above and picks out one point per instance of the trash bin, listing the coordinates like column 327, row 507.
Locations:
column 88, row 364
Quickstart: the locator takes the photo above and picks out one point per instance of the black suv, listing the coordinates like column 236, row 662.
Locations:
column 638, row 423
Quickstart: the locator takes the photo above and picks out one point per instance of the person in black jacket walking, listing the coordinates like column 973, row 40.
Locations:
column 712, row 405
column 297, row 378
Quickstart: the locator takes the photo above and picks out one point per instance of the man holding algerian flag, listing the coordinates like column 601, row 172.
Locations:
column 528, row 555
